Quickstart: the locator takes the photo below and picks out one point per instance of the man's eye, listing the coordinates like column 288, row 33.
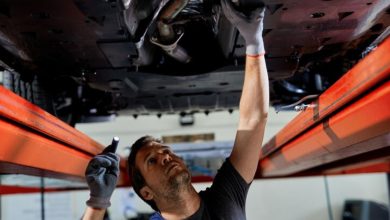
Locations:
column 152, row 161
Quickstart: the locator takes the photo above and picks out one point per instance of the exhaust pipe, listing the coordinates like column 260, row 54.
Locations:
column 167, row 38
column 174, row 50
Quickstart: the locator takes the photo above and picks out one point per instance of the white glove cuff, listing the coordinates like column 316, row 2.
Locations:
column 255, row 49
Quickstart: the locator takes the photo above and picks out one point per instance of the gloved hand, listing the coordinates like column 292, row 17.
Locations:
column 250, row 26
column 102, row 174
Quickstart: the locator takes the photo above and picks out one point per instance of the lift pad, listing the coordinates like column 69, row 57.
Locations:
column 36, row 143
column 347, row 132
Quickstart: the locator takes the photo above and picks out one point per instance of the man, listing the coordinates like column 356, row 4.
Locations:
column 161, row 178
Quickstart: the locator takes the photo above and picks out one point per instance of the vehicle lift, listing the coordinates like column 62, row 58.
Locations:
column 347, row 131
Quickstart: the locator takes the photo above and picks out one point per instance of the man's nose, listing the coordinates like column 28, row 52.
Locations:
column 166, row 158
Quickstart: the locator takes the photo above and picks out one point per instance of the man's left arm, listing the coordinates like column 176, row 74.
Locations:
column 254, row 100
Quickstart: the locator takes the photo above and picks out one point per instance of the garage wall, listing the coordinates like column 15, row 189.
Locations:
column 222, row 124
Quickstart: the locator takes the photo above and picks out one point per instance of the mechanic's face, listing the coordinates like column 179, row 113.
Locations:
column 164, row 172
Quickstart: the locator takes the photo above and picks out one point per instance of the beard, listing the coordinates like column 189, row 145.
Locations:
column 182, row 178
column 178, row 182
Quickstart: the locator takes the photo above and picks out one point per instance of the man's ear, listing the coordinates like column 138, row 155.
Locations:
column 146, row 193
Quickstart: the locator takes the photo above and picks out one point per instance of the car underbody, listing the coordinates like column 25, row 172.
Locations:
column 85, row 60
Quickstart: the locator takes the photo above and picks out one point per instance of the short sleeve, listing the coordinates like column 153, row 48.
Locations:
column 229, row 183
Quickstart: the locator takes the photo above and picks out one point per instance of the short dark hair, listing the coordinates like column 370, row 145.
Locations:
column 138, row 181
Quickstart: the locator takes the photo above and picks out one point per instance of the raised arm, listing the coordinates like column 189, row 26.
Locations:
column 255, row 93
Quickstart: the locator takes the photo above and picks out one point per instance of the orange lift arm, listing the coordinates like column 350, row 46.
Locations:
column 33, row 142
column 347, row 132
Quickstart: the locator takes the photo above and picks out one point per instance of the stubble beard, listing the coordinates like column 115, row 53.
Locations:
column 178, row 183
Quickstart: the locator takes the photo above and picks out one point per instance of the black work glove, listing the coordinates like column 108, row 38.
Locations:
column 102, row 174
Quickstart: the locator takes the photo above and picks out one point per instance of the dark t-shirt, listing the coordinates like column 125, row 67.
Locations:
column 225, row 199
